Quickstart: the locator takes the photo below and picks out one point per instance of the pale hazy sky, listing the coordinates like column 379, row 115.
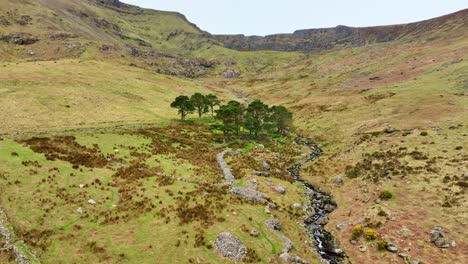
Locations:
column 263, row 17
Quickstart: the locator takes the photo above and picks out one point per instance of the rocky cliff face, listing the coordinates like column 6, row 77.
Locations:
column 340, row 36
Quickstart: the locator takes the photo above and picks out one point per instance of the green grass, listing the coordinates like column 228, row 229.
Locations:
column 41, row 208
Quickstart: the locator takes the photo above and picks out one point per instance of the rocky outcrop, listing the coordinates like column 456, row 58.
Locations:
column 340, row 36
column 19, row 38
column 230, row 247
column 10, row 242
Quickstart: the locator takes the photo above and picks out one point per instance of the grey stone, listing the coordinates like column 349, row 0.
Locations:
column 392, row 248
column 439, row 238
column 231, row 74
column 228, row 177
column 378, row 201
column 261, row 173
column 254, row 233
column 230, row 247
column 265, row 165
column 362, row 248
column 273, row 224
column 338, row 180
column 79, row 210
column 341, row 226
column 280, row 189
column 297, row 206
column 322, row 220
column 91, row 201
column 329, row 208
column 249, row 194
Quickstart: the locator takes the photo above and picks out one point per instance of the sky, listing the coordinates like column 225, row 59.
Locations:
column 263, row 17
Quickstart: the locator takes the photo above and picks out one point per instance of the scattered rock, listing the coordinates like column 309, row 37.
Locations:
column 354, row 242
column 230, row 247
column 286, row 258
column 91, row 201
column 261, row 173
column 274, row 224
column 329, row 208
column 79, row 210
column 249, row 194
column 322, row 220
column 392, row 248
column 362, row 248
column 341, row 226
column 82, row 186
column 265, row 165
column 439, row 238
column 254, row 233
column 279, row 189
column 378, row 201
column 389, row 130
column 231, row 74
column 19, row 38
column 62, row 36
column 267, row 210
column 297, row 206
column 338, row 180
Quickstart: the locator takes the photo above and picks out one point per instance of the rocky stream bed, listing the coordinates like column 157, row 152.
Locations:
column 319, row 205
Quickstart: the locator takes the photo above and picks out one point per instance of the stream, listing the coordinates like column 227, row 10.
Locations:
column 319, row 205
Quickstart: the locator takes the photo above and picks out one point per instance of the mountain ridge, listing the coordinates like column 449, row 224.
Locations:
column 317, row 39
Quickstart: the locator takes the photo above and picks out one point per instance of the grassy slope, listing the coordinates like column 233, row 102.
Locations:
column 42, row 203
column 38, row 96
column 422, row 87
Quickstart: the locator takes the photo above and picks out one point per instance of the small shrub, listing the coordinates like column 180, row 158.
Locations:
column 382, row 212
column 382, row 244
column 357, row 232
column 424, row 134
column 385, row 195
column 371, row 234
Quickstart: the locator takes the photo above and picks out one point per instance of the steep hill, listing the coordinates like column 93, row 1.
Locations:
column 343, row 36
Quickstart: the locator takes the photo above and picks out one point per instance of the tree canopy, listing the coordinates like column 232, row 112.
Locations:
column 257, row 117
column 184, row 106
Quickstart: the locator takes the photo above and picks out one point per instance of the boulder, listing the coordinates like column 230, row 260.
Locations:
column 261, row 173
column 341, row 226
column 254, row 233
column 338, row 180
column 19, row 38
column 322, row 220
column 279, row 189
column 265, row 165
column 297, row 206
column 329, row 208
column 231, row 74
column 230, row 247
column 392, row 248
column 439, row 238
column 273, row 224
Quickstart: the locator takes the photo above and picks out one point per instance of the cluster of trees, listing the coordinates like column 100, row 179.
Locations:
column 198, row 102
column 257, row 117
